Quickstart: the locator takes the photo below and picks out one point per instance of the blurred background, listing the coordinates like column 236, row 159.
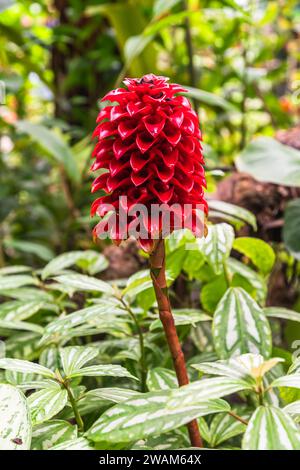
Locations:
column 239, row 58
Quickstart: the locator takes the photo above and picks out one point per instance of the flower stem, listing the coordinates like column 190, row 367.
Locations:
column 158, row 275
column 74, row 407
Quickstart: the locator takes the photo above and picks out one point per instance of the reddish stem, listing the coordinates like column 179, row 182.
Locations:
column 158, row 275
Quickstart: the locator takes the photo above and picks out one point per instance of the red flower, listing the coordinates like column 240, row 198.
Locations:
column 149, row 145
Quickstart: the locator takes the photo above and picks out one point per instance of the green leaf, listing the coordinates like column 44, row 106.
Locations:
column 161, row 379
column 103, row 370
column 15, row 424
column 25, row 367
column 53, row 145
column 20, row 310
column 240, row 326
column 212, row 292
column 82, row 282
column 42, row 251
column 21, row 325
column 13, row 282
column 258, row 251
column 73, row 358
column 255, row 279
column 209, row 99
column 14, row 270
column 113, row 394
column 281, row 312
column 54, row 432
column 75, row 444
column 292, row 380
column 234, row 211
column 263, row 159
column 293, row 408
column 161, row 7
column 217, row 245
column 160, row 412
column 291, row 227
column 184, row 316
column 271, row 429
column 224, row 427
column 47, row 403
column 86, row 258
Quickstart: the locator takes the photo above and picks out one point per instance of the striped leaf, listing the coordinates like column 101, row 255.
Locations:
column 157, row 413
column 185, row 316
column 224, row 427
column 20, row 310
column 161, row 379
column 293, row 408
column 255, row 279
column 217, row 245
column 115, row 395
column 14, row 270
column 240, row 326
column 82, row 282
column 103, row 370
column 46, row 403
column 74, row 357
column 292, row 380
column 25, row 367
column 284, row 313
column 21, row 325
column 65, row 260
column 47, row 435
column 247, row 367
column 271, row 429
column 75, row 444
column 232, row 210
column 15, row 281
column 15, row 424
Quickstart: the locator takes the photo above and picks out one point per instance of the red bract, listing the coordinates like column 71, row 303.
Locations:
column 149, row 145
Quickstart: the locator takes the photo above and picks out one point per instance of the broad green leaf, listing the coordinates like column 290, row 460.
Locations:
column 103, row 370
column 212, row 292
column 53, row 145
column 259, row 252
column 210, row 99
column 54, row 432
column 281, row 312
column 115, row 395
column 263, row 158
column 25, row 367
column 248, row 367
column 240, row 326
column 291, row 227
column 15, row 424
column 185, row 316
column 42, row 251
column 46, row 403
column 74, row 444
column 73, row 358
column 161, row 379
column 292, row 408
column 82, row 282
column 234, row 211
column 20, row 310
column 292, row 380
column 84, row 259
column 224, row 427
column 217, row 245
column 271, row 429
column 16, row 281
column 152, row 414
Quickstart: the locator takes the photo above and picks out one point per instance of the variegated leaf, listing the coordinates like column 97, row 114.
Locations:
column 16, row 281
column 20, row 310
column 217, row 245
column 103, row 370
column 115, row 395
column 160, row 412
column 161, row 379
column 293, row 408
column 15, row 423
column 255, row 279
column 224, row 427
column 271, row 429
column 65, row 260
column 47, row 435
column 74, row 357
column 185, row 316
column 280, row 312
column 240, row 326
column 25, row 367
column 46, row 403
column 21, row 325
column 292, row 380
column 82, row 282
column 76, row 444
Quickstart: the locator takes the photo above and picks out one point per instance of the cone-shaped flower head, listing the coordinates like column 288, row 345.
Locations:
column 149, row 147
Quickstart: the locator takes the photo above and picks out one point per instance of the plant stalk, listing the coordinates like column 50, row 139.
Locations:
column 74, row 407
column 158, row 275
